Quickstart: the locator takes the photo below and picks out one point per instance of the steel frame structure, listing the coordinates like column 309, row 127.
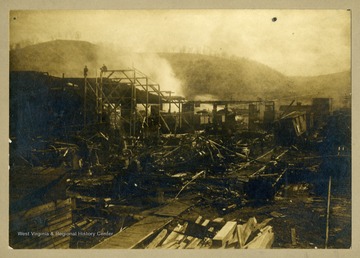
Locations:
column 109, row 101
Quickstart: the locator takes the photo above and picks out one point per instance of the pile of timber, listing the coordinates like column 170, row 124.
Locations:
column 206, row 234
column 42, row 226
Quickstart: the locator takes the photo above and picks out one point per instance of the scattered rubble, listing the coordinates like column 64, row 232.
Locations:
column 214, row 234
column 143, row 174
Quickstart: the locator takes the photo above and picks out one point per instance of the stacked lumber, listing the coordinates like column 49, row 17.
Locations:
column 217, row 233
column 45, row 226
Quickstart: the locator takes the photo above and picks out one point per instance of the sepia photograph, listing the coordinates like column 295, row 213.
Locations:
column 180, row 129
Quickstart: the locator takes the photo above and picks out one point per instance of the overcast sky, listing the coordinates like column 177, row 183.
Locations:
column 299, row 42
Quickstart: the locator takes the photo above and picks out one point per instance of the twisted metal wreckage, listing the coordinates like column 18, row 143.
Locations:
column 119, row 172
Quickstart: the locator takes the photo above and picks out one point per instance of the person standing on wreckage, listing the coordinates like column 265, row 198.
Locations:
column 103, row 69
column 86, row 70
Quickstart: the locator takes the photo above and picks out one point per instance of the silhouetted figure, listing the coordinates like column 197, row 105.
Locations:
column 85, row 71
column 103, row 68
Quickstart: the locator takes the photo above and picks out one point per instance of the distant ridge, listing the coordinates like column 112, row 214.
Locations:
column 235, row 78
column 55, row 57
column 218, row 77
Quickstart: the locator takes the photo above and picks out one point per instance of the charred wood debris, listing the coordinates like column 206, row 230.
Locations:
column 110, row 190
column 113, row 180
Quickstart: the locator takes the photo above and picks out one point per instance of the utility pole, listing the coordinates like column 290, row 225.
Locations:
column 328, row 214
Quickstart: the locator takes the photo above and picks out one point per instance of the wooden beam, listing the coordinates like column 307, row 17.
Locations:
column 175, row 233
column 240, row 235
column 225, row 234
column 198, row 220
column 263, row 240
column 158, row 239
column 194, row 244
column 205, row 223
column 249, row 227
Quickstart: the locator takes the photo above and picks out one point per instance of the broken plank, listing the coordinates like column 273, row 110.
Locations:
column 276, row 214
column 225, row 234
column 173, row 235
column 194, row 243
column 207, row 243
column 205, row 223
column 198, row 220
column 234, row 239
column 173, row 209
column 263, row 224
column 183, row 245
column 188, row 239
column 61, row 219
column 158, row 239
column 218, row 220
column 132, row 236
column 175, row 246
column 167, row 245
column 249, row 228
column 240, row 234
column 180, row 238
column 263, row 241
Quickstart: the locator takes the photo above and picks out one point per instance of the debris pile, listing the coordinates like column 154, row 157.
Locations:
column 41, row 226
column 117, row 165
column 214, row 234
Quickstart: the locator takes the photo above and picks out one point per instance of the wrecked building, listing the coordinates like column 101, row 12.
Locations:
column 115, row 162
